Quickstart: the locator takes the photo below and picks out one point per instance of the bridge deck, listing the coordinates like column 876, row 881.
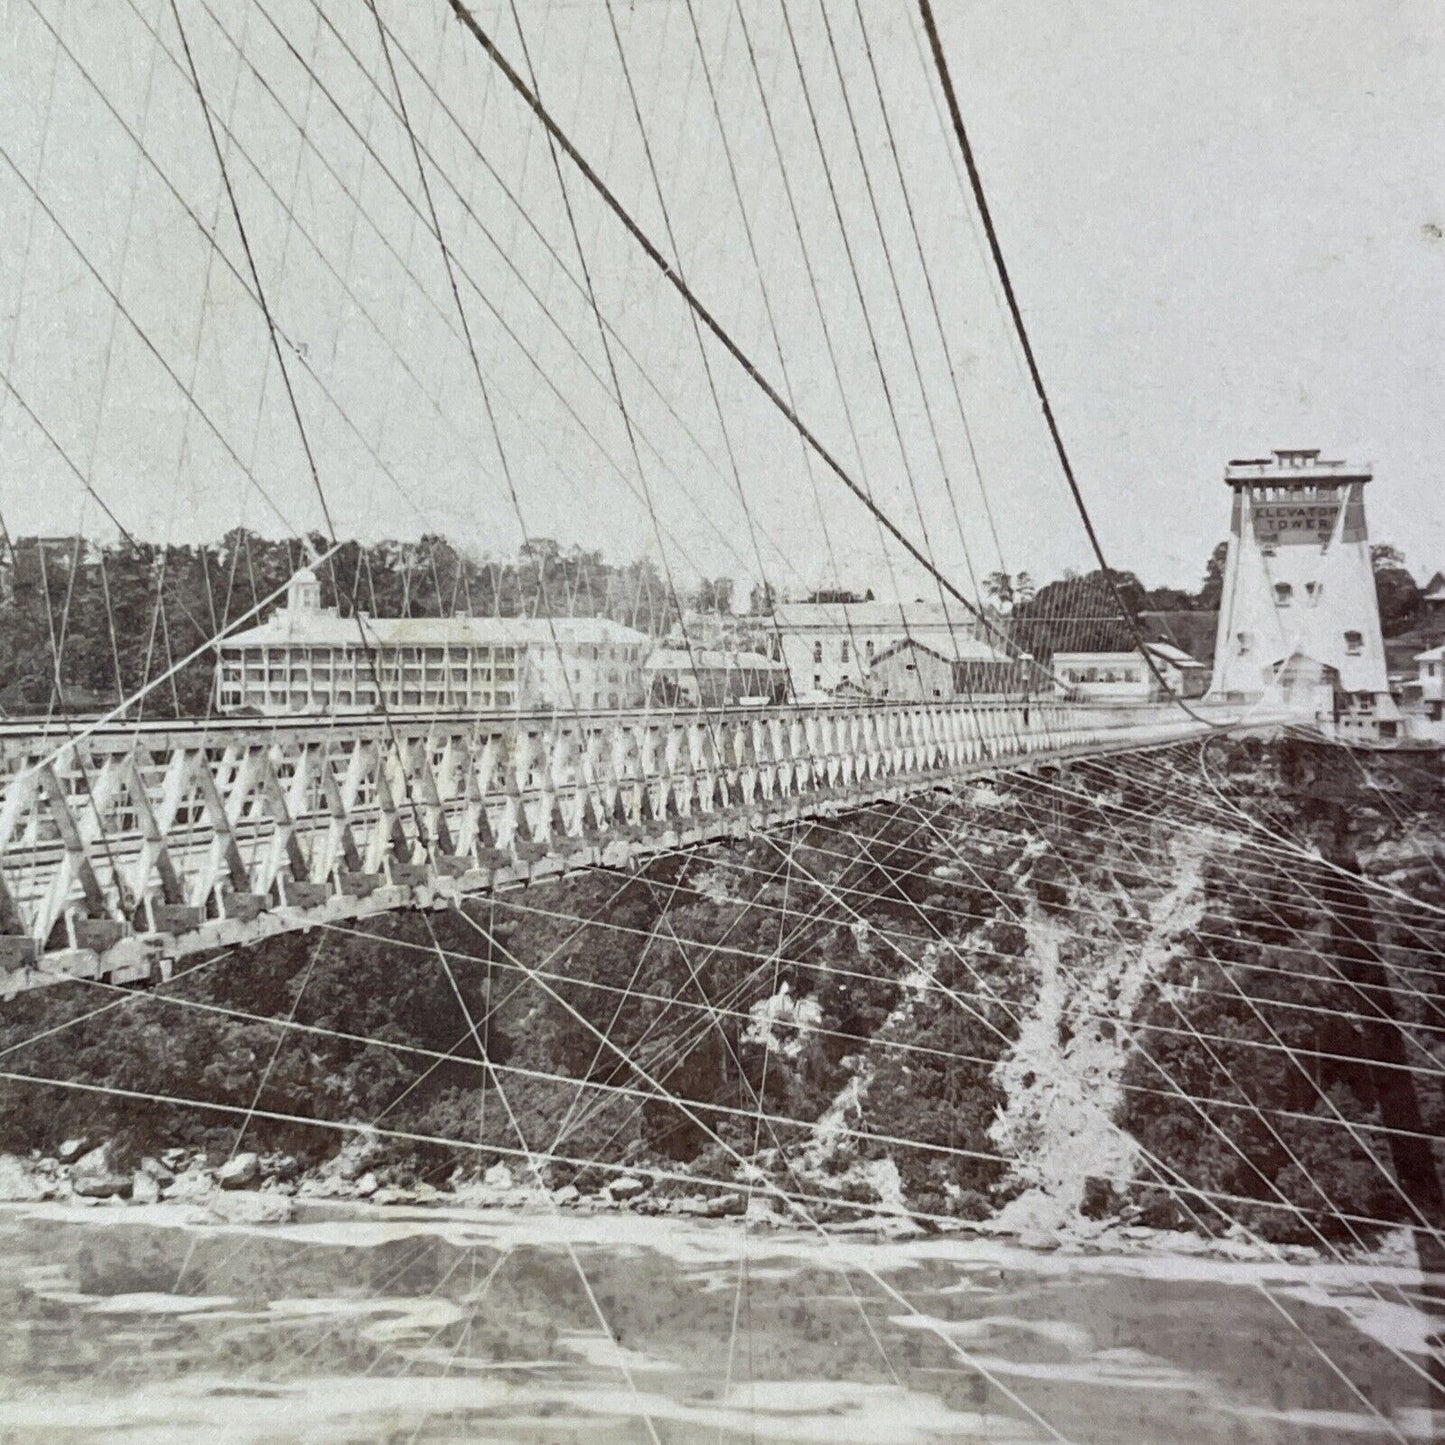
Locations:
column 126, row 847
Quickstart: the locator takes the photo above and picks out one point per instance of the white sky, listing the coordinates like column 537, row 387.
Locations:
column 1223, row 219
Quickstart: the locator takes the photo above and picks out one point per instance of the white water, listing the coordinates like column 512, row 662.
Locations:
column 1100, row 1344
column 1062, row 1081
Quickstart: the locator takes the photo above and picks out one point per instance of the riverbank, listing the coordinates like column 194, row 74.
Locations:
column 251, row 1190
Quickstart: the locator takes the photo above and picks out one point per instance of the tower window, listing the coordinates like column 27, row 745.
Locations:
column 1354, row 643
column 843, row 653
column 1244, row 642
column 1283, row 594
column 817, row 652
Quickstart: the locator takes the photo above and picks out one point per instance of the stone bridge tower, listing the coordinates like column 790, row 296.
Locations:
column 1299, row 624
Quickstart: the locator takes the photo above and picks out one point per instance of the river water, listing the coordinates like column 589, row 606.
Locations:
column 390, row 1325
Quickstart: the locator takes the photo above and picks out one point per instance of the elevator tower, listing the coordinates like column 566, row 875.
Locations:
column 1299, row 624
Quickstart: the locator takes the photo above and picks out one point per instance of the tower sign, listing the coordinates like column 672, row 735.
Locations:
column 1299, row 624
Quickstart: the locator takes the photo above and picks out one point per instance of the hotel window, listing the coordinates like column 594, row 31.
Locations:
column 843, row 653
column 868, row 646
column 1244, row 642
column 1354, row 643
column 817, row 652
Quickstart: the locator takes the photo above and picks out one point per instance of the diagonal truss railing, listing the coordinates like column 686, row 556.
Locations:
column 132, row 848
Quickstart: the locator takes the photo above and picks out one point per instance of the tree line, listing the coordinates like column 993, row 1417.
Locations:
column 83, row 627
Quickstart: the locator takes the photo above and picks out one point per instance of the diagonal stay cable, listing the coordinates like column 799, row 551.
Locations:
column 704, row 315
column 945, row 79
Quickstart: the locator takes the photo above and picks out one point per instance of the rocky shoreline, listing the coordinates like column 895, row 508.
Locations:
column 254, row 1189
column 264, row 1188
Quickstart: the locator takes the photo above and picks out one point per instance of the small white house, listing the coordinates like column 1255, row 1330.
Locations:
column 828, row 646
column 1126, row 677
column 1431, row 665
column 713, row 677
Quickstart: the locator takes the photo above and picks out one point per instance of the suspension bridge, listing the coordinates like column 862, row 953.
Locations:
column 132, row 847
column 717, row 288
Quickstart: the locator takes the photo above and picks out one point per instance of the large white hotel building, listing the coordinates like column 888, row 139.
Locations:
column 306, row 658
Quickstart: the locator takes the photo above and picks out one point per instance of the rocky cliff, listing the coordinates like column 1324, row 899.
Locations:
column 1196, row 989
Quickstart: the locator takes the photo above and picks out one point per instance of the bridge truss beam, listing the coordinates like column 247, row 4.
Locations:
column 127, row 850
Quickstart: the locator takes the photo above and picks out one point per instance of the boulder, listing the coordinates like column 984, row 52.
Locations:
column 725, row 1206
column 366, row 1186
column 626, row 1186
column 498, row 1177
column 154, row 1170
column 94, row 1176
column 567, row 1194
column 174, row 1159
column 324, row 1186
column 144, row 1189
column 19, row 1184
column 240, row 1172
column 71, row 1149
column 350, row 1163
column 250, row 1208
column 194, row 1184
column 760, row 1210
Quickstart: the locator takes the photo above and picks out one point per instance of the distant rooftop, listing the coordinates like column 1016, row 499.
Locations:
column 327, row 628
column 1294, row 466
column 680, row 659
column 1159, row 651
column 790, row 615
